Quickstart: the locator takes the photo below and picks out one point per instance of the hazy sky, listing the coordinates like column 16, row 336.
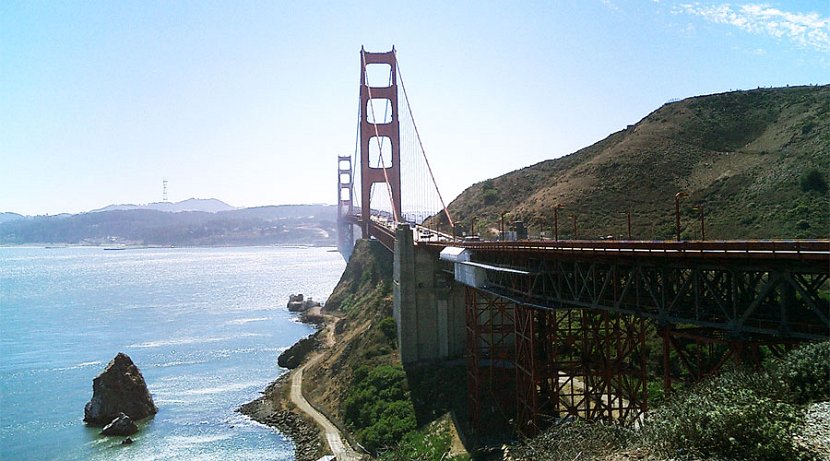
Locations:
column 251, row 102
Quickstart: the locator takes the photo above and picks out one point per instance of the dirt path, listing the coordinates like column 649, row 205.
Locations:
column 339, row 447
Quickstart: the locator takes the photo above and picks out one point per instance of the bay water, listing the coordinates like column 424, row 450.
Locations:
column 204, row 325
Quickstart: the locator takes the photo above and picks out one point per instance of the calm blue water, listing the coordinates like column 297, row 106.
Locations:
column 205, row 326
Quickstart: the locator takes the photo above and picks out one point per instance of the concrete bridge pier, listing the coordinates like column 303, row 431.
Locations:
column 428, row 304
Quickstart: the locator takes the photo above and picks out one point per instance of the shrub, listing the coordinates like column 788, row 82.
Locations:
column 389, row 329
column 423, row 445
column 378, row 406
column 806, row 373
column 813, row 180
column 491, row 196
column 573, row 439
column 726, row 417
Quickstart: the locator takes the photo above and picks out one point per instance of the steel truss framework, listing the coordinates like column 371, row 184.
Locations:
column 491, row 353
column 578, row 328
column 579, row 363
column 701, row 352
column 780, row 300
column 543, row 365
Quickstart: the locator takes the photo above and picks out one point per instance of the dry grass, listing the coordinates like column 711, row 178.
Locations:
column 740, row 154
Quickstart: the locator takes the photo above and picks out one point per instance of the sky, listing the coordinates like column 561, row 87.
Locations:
column 251, row 102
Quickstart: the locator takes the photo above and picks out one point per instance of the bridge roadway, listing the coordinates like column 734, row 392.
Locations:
column 740, row 289
column 800, row 250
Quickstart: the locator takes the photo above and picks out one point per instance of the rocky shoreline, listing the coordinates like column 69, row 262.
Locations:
column 268, row 410
column 274, row 408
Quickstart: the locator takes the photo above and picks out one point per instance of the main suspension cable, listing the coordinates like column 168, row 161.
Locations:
column 418, row 135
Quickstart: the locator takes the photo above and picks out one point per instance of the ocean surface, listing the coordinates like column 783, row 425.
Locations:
column 204, row 325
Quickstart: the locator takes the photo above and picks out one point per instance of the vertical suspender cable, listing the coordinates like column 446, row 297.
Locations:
column 418, row 135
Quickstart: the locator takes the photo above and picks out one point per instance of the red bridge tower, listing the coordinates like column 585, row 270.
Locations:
column 388, row 171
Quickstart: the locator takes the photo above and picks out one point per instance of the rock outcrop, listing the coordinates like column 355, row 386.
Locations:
column 298, row 303
column 121, row 425
column 294, row 355
column 120, row 388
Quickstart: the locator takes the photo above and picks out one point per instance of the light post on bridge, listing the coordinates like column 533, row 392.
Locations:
column 628, row 214
column 699, row 208
column 556, row 221
column 576, row 230
column 677, row 212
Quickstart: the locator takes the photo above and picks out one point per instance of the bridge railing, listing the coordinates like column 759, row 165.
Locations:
column 818, row 250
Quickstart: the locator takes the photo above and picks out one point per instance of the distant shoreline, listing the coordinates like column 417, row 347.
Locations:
column 56, row 246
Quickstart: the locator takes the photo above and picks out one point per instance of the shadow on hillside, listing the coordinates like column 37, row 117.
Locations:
column 440, row 388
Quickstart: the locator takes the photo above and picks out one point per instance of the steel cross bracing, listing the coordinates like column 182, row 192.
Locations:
column 579, row 363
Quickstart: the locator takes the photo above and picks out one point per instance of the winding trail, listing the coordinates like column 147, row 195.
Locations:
column 339, row 447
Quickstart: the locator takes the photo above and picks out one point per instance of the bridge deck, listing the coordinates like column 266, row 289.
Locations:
column 816, row 250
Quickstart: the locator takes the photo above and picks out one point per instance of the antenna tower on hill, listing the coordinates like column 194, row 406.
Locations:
column 164, row 190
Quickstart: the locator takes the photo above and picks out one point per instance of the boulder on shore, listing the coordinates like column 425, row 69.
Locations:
column 120, row 388
column 121, row 425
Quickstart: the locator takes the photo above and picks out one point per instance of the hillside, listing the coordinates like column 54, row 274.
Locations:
column 758, row 162
column 210, row 205
column 287, row 224
column 6, row 216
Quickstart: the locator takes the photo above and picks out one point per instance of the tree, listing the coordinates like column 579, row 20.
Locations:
column 813, row 180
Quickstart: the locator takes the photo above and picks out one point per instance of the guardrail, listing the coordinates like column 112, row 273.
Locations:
column 818, row 250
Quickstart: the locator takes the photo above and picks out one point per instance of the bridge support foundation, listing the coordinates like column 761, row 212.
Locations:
column 428, row 305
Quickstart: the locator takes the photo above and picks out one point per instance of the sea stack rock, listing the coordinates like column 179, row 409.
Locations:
column 119, row 389
column 299, row 303
column 295, row 303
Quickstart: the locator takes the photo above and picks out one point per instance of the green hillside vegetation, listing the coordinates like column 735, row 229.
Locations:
column 757, row 161
column 360, row 381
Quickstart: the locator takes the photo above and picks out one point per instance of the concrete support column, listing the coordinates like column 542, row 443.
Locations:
column 428, row 304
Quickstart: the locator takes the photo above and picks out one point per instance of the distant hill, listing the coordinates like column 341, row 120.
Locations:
column 210, row 205
column 288, row 224
column 757, row 161
column 6, row 216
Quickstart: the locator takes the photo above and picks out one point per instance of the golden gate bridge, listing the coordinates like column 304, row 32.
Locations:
column 557, row 328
